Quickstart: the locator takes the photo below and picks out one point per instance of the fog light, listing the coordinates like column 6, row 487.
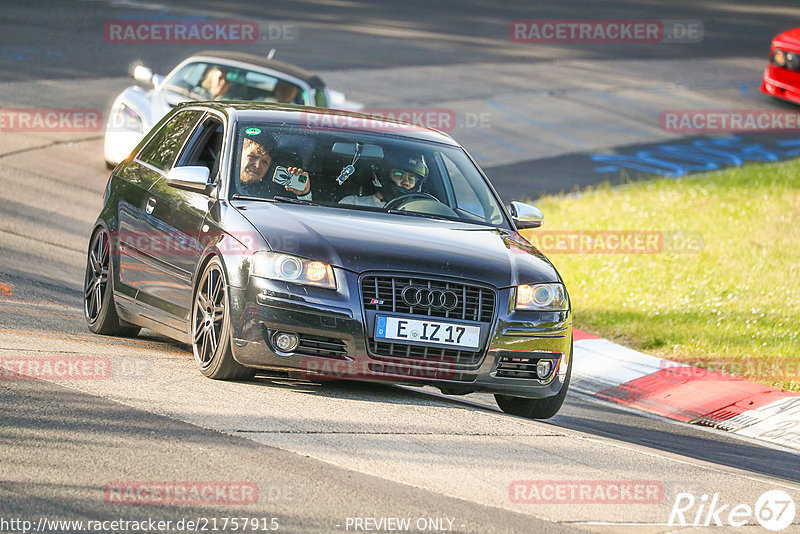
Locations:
column 286, row 341
column 543, row 368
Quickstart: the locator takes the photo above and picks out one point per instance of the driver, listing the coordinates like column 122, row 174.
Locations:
column 215, row 84
column 285, row 92
column 403, row 174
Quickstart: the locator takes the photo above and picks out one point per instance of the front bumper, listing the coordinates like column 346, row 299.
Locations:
column 781, row 83
column 336, row 344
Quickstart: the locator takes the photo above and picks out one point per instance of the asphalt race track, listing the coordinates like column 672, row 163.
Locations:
column 333, row 456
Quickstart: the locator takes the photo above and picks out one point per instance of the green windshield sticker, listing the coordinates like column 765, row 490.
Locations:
column 252, row 131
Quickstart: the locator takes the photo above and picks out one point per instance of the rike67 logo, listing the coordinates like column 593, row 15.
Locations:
column 774, row 510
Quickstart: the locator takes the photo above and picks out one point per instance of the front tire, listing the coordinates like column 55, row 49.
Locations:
column 211, row 327
column 544, row 408
column 98, row 294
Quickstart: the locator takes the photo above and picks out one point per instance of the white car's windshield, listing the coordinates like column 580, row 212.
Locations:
column 361, row 170
column 211, row 81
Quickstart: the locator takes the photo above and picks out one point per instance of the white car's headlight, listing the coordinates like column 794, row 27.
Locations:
column 126, row 119
column 542, row 297
column 277, row 266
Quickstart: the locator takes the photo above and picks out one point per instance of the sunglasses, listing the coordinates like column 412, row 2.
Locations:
column 411, row 177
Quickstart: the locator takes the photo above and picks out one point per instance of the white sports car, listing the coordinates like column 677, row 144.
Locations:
column 210, row 76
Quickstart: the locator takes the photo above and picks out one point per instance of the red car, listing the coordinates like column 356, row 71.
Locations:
column 782, row 77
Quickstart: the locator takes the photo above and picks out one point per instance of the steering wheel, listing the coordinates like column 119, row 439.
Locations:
column 402, row 200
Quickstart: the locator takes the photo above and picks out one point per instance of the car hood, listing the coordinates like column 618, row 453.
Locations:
column 788, row 40
column 361, row 241
column 149, row 104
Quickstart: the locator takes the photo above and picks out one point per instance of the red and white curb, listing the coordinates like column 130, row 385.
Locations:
column 685, row 393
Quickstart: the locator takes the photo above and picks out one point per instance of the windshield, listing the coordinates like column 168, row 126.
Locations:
column 210, row 81
column 361, row 171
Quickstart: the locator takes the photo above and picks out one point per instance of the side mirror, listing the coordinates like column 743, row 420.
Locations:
column 525, row 216
column 191, row 177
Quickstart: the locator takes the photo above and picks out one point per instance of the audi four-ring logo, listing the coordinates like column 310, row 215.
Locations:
column 438, row 299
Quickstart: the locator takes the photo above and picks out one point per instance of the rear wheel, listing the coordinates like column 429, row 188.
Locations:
column 98, row 295
column 544, row 408
column 211, row 328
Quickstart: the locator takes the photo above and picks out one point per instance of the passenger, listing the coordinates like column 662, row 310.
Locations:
column 402, row 175
column 257, row 163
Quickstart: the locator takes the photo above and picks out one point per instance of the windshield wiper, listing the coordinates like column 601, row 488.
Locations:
column 291, row 200
column 237, row 196
column 424, row 215
column 288, row 200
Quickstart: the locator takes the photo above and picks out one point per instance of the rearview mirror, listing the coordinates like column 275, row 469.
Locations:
column 525, row 216
column 364, row 151
column 190, row 177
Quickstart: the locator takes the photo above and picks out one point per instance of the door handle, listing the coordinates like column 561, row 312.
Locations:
column 151, row 204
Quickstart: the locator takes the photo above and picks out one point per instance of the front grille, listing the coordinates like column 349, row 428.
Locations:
column 323, row 347
column 521, row 366
column 383, row 294
column 429, row 354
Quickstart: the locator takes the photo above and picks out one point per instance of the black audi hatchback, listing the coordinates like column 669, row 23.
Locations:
column 333, row 244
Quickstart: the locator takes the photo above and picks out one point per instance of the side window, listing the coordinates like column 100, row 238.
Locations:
column 163, row 147
column 205, row 147
column 466, row 199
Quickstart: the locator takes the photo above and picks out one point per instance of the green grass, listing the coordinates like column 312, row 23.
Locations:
column 731, row 303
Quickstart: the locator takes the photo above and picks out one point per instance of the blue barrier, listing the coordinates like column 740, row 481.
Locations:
column 674, row 161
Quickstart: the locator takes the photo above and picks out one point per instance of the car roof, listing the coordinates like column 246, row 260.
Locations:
column 789, row 39
column 325, row 119
column 262, row 61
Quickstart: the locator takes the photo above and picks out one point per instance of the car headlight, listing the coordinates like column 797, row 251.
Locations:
column 288, row 268
column 541, row 297
column 126, row 119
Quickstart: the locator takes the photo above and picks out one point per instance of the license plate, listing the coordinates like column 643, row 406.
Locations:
column 434, row 332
